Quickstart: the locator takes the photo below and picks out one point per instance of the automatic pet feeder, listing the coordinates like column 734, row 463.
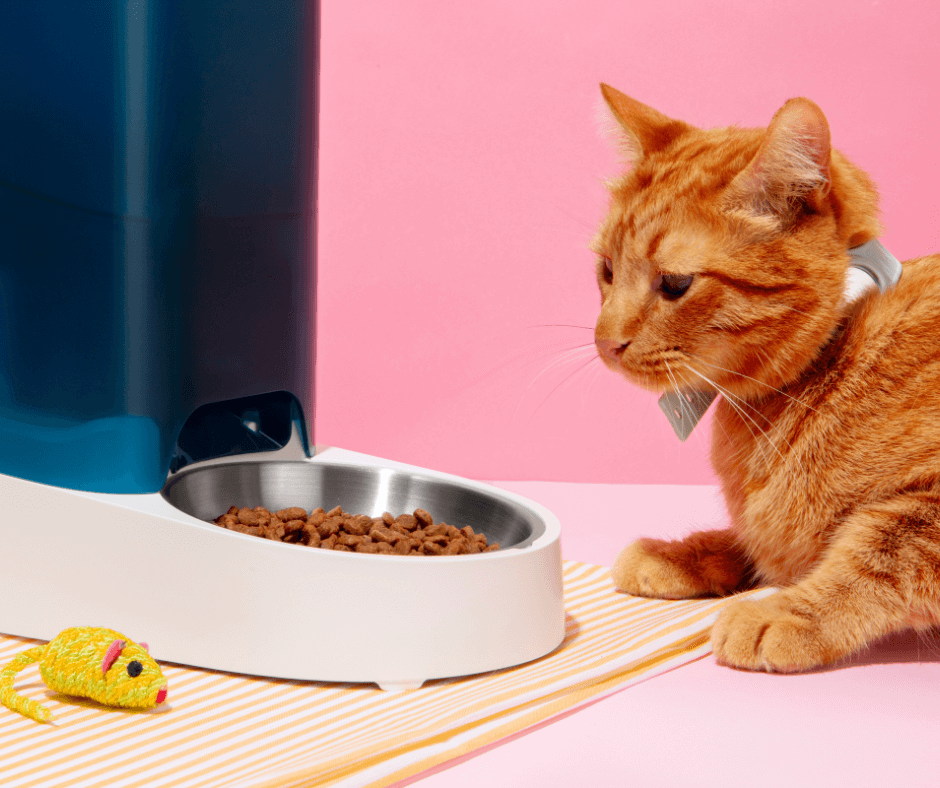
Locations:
column 156, row 300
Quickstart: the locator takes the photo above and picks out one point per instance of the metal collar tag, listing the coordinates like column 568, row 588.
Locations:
column 871, row 266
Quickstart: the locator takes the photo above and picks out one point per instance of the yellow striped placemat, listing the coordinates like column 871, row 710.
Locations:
column 237, row 731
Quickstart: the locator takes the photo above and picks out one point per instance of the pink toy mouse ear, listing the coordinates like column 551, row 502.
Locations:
column 113, row 652
column 145, row 647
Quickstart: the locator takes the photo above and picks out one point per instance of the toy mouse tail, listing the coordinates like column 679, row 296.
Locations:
column 9, row 698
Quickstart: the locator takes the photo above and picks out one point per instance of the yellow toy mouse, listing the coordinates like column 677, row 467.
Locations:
column 88, row 662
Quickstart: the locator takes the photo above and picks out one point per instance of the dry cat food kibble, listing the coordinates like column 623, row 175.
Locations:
column 407, row 534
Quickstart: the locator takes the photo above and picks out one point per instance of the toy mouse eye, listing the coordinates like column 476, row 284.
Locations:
column 134, row 669
column 674, row 286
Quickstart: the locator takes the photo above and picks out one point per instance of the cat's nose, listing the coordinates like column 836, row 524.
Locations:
column 611, row 348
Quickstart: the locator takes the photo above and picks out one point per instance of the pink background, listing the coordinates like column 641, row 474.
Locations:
column 460, row 180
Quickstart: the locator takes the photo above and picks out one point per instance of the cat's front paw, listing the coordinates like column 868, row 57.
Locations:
column 653, row 568
column 769, row 634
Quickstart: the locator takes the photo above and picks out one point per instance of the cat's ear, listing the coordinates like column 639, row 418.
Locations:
column 790, row 167
column 642, row 129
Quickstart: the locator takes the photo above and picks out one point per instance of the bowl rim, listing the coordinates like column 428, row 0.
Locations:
column 550, row 526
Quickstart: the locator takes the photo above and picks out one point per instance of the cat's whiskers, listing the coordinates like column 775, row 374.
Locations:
column 744, row 417
column 757, row 441
column 687, row 384
column 772, row 365
column 774, row 427
column 763, row 355
column 748, row 377
column 730, row 399
column 571, row 355
column 567, row 379
column 591, row 381
column 558, row 361
column 737, row 398
column 686, row 407
column 535, row 353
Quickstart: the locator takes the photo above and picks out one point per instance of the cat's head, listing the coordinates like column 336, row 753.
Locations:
column 723, row 253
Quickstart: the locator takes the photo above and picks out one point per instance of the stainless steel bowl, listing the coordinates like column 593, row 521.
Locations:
column 208, row 491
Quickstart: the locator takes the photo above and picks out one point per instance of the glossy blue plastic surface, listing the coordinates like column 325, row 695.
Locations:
column 157, row 195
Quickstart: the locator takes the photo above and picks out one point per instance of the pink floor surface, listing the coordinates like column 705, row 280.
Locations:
column 874, row 721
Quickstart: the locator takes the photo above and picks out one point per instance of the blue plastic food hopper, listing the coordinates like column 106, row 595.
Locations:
column 156, row 225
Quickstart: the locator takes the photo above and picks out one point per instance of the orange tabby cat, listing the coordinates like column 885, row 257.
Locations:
column 722, row 267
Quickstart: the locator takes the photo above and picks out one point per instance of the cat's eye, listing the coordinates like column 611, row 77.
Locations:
column 672, row 286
